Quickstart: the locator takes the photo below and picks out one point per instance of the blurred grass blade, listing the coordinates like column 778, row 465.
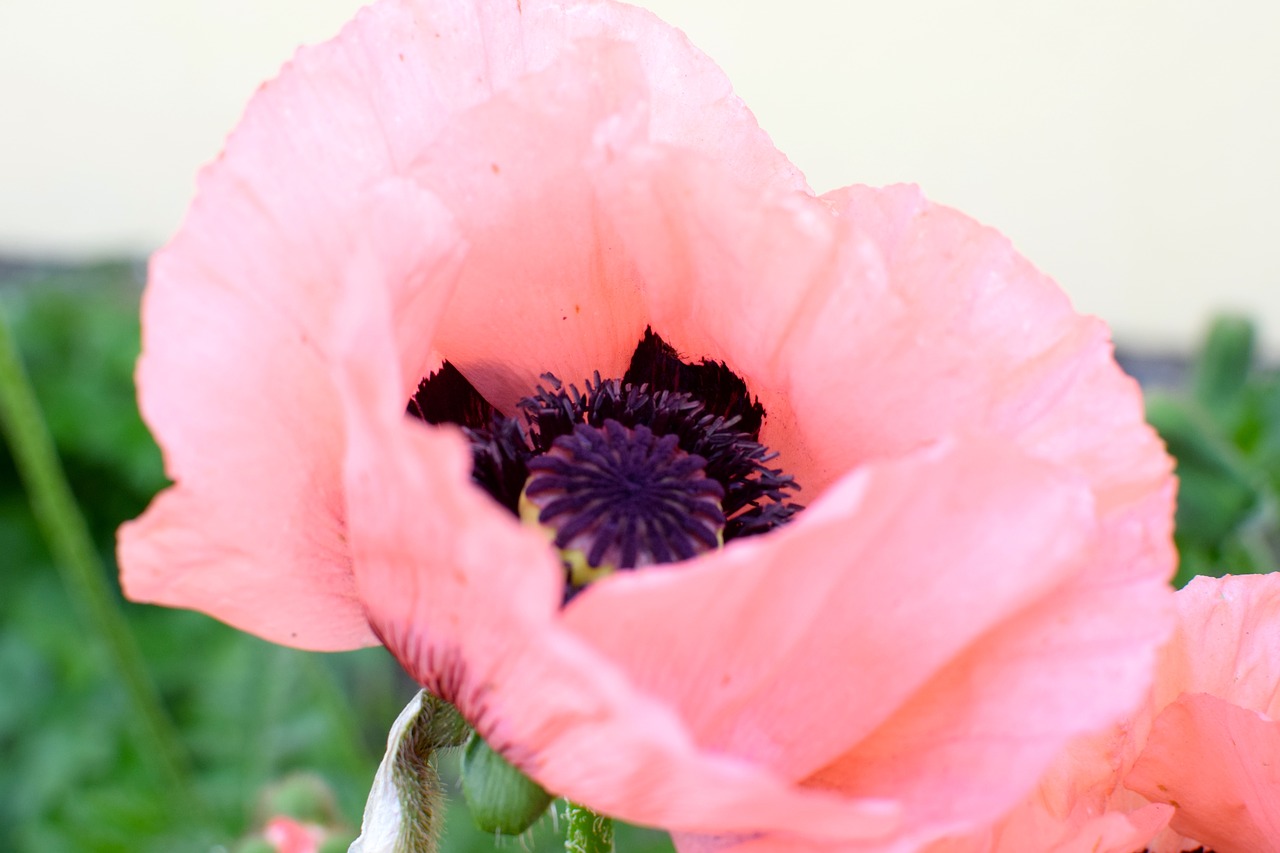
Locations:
column 83, row 575
column 1223, row 366
column 1218, row 488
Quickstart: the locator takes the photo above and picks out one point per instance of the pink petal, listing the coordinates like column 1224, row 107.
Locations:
column 469, row 601
column 872, row 322
column 728, row 265
column 888, row 577
column 1072, row 809
column 545, row 274
column 1227, row 643
column 1219, row 765
column 952, row 329
column 692, row 102
column 253, row 530
column 1074, row 663
column 548, row 275
column 1110, row 833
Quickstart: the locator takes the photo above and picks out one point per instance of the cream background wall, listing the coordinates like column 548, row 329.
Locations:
column 1131, row 148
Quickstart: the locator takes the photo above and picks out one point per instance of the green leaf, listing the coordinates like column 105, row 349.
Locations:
column 405, row 811
column 1222, row 369
column 1218, row 487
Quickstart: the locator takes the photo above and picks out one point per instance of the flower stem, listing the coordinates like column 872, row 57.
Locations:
column 587, row 832
column 77, row 560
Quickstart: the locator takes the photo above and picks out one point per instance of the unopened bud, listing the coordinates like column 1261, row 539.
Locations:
column 501, row 798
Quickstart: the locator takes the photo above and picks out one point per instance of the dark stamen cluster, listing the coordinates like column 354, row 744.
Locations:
column 705, row 406
column 755, row 498
column 625, row 497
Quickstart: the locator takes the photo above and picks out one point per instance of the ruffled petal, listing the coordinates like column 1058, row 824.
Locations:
column 1032, row 830
column 1219, row 765
column 548, row 275
column 871, row 323
column 253, row 530
column 469, row 600
column 1227, row 643
column 1027, row 833
column 888, row 577
column 1216, row 749
column 728, row 266
column 952, row 330
column 1080, row 659
column 1072, row 809
column 692, row 102
column 545, row 275
column 233, row 378
column 1109, row 833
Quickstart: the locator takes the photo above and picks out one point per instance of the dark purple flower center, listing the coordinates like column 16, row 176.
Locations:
column 622, row 498
column 657, row 466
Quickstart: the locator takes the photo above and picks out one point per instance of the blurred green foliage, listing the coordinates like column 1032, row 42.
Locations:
column 1224, row 431
column 269, row 729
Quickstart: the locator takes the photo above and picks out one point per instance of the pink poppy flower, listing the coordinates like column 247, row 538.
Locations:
column 486, row 192
column 1197, row 767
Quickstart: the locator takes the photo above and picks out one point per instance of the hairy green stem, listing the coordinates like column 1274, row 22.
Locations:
column 586, row 831
column 83, row 575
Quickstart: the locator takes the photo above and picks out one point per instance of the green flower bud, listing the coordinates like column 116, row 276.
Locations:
column 501, row 798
